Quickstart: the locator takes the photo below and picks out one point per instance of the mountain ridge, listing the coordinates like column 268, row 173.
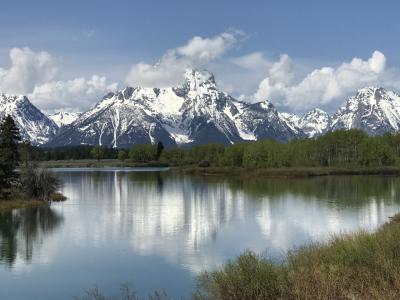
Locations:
column 193, row 113
column 196, row 112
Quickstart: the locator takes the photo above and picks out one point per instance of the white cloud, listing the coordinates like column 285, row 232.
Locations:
column 324, row 85
column 199, row 48
column 169, row 70
column 27, row 69
column 252, row 61
column 72, row 95
column 34, row 74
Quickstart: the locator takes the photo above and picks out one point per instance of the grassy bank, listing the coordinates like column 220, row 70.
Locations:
column 93, row 163
column 7, row 205
column 288, row 172
column 354, row 266
column 23, row 202
column 228, row 171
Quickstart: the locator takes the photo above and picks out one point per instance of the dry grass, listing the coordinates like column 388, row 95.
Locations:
column 93, row 163
column 356, row 266
column 7, row 205
column 57, row 197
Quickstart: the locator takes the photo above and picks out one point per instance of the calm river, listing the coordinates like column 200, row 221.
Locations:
column 157, row 230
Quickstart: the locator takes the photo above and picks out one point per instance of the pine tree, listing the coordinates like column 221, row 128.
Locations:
column 160, row 148
column 9, row 155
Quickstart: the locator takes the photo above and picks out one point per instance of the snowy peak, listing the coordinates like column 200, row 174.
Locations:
column 373, row 110
column 312, row 124
column 33, row 124
column 64, row 118
column 194, row 113
column 8, row 101
column 195, row 79
column 315, row 123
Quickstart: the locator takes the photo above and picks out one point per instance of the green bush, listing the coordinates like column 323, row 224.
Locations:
column 122, row 155
column 356, row 266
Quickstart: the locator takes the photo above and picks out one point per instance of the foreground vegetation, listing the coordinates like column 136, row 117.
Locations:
column 22, row 183
column 19, row 203
column 353, row 266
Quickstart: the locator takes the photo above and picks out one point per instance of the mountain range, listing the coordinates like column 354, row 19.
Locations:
column 195, row 112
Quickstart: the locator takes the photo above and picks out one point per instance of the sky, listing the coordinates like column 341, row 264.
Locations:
column 65, row 55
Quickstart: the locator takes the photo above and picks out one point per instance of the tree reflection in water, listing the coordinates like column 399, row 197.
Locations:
column 24, row 229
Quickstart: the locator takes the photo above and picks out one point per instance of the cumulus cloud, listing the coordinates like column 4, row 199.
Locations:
column 28, row 68
column 252, row 61
column 169, row 70
column 199, row 48
column 323, row 85
column 34, row 74
column 75, row 94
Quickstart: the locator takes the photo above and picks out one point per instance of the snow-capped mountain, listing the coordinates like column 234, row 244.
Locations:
column 315, row 123
column 373, row 110
column 312, row 124
column 194, row 113
column 64, row 118
column 34, row 126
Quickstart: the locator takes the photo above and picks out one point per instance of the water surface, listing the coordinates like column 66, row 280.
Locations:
column 157, row 229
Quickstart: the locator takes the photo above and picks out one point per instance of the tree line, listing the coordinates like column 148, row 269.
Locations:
column 341, row 148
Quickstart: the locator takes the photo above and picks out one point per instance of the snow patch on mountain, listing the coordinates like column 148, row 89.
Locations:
column 64, row 118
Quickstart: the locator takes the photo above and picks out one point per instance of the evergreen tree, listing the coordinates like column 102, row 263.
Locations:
column 160, row 148
column 9, row 155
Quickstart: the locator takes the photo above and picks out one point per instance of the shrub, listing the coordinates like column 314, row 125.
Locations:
column 355, row 266
column 122, row 155
column 39, row 183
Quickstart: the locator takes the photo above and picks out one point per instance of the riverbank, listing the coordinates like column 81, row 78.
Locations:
column 298, row 172
column 93, row 163
column 352, row 266
column 10, row 204
column 284, row 172
column 7, row 205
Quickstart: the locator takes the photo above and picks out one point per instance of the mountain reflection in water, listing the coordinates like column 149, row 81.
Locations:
column 158, row 230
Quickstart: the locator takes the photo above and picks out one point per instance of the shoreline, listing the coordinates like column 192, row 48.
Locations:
column 284, row 172
column 289, row 172
column 9, row 205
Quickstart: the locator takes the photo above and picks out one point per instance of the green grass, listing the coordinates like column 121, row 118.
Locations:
column 354, row 266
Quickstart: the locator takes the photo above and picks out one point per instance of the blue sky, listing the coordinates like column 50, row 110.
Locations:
column 108, row 38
